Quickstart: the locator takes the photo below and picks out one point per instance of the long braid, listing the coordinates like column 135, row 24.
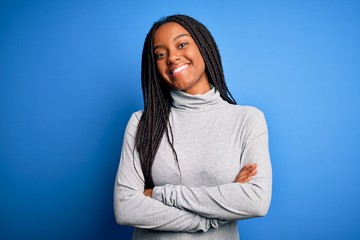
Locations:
column 154, row 121
column 210, row 53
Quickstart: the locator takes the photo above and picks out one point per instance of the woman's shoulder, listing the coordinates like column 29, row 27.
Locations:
column 135, row 116
column 248, row 115
column 245, row 110
column 134, row 120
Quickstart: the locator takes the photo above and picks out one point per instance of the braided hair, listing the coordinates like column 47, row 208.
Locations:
column 154, row 122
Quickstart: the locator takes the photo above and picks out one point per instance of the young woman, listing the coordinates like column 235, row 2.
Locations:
column 193, row 162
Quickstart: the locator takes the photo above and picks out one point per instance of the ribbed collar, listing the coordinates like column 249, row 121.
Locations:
column 199, row 102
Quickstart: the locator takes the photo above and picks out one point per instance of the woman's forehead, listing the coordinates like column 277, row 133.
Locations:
column 169, row 32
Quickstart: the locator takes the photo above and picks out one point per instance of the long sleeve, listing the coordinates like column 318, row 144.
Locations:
column 230, row 201
column 133, row 208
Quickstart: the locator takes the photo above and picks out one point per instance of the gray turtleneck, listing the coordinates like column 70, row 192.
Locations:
column 196, row 197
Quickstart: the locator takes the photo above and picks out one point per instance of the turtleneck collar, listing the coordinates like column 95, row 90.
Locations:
column 199, row 102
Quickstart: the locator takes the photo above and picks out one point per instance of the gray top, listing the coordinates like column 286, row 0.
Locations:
column 197, row 199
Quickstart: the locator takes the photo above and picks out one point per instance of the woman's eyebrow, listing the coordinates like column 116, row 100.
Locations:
column 181, row 35
column 175, row 38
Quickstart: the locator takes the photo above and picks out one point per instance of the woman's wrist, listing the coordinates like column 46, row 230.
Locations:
column 148, row 192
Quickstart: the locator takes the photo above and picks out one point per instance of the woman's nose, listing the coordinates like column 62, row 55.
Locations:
column 173, row 57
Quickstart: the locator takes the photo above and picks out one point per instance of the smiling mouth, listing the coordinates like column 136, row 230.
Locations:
column 179, row 69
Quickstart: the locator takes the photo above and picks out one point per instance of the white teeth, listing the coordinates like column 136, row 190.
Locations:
column 179, row 68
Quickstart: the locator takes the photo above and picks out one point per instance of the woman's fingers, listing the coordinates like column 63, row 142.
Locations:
column 247, row 177
column 246, row 173
column 248, row 169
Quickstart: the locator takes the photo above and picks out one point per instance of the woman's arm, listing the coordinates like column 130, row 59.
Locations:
column 233, row 200
column 245, row 175
column 133, row 208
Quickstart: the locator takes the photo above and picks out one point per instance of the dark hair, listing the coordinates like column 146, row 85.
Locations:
column 154, row 121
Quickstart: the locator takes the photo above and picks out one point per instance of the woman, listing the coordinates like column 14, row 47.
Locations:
column 193, row 162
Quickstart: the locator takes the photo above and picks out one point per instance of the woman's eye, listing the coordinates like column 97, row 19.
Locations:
column 159, row 55
column 182, row 45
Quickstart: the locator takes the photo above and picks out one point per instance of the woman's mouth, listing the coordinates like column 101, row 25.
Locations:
column 179, row 69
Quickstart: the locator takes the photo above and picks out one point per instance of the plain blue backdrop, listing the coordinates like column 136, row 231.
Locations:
column 70, row 79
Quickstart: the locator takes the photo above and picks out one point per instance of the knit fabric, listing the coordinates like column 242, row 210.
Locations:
column 196, row 198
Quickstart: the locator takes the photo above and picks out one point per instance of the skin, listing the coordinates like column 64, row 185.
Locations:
column 174, row 48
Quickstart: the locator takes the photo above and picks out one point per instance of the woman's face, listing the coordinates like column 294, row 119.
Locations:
column 179, row 60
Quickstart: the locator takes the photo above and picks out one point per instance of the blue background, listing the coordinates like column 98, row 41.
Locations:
column 70, row 79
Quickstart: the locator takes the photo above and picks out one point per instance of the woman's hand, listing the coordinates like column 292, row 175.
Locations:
column 246, row 173
column 148, row 192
